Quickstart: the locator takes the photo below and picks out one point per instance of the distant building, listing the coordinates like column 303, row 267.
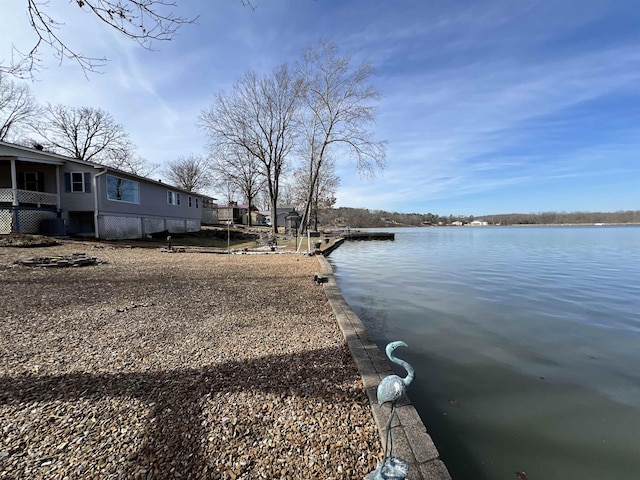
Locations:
column 238, row 214
column 257, row 218
column 209, row 212
column 282, row 213
column 231, row 212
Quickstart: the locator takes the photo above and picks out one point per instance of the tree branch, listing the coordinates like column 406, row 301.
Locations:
column 143, row 21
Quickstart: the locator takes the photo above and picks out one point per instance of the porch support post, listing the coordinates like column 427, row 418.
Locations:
column 58, row 204
column 14, row 193
column 14, row 182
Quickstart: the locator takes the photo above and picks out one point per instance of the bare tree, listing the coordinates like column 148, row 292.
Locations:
column 85, row 133
column 324, row 192
column 336, row 115
column 127, row 159
column 262, row 199
column 143, row 21
column 90, row 134
column 291, row 191
column 228, row 189
column 241, row 169
column 325, row 196
column 17, row 108
column 258, row 116
column 191, row 173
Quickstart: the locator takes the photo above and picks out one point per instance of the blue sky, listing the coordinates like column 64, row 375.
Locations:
column 487, row 106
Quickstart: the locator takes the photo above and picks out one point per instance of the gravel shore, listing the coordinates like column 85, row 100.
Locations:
column 175, row 365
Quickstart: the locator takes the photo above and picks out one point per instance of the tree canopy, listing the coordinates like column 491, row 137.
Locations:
column 257, row 117
column 85, row 133
column 18, row 108
column 191, row 173
column 337, row 111
column 309, row 115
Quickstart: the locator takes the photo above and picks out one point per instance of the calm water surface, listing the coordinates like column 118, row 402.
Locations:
column 526, row 343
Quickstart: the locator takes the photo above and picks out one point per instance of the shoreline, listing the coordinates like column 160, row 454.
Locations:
column 411, row 440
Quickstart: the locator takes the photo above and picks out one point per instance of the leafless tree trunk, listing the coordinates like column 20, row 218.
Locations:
column 17, row 108
column 241, row 169
column 323, row 192
column 191, row 173
column 143, row 21
column 336, row 115
column 258, row 116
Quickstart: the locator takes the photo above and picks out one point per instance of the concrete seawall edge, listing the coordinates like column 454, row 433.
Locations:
column 411, row 441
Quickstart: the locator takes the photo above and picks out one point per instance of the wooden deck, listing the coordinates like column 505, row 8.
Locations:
column 368, row 236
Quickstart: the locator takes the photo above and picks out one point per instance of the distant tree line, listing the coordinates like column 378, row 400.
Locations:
column 364, row 218
column 561, row 218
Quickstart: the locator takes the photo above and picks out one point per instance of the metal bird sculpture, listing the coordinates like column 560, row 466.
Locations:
column 391, row 388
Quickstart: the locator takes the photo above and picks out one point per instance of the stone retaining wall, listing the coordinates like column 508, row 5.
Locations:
column 411, row 442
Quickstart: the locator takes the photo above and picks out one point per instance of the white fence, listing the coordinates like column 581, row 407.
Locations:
column 6, row 221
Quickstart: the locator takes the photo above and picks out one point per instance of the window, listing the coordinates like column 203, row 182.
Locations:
column 122, row 190
column 33, row 181
column 190, row 201
column 77, row 182
column 197, row 206
column 173, row 198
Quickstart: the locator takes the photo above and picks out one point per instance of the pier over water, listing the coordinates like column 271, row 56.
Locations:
column 356, row 235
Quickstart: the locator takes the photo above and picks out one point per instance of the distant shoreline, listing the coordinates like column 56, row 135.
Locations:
column 497, row 225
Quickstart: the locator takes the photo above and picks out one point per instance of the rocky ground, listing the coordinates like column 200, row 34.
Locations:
column 175, row 365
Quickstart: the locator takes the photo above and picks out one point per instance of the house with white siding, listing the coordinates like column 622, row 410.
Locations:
column 46, row 193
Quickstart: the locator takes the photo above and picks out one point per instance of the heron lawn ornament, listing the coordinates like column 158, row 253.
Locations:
column 391, row 388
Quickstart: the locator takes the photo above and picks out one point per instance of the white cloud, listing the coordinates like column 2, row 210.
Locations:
column 474, row 95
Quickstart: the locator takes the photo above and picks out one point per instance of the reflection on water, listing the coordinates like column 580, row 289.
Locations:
column 533, row 331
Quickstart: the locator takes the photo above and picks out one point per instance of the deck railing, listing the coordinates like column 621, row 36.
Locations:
column 28, row 196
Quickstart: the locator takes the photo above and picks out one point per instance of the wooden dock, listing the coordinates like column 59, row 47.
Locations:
column 354, row 235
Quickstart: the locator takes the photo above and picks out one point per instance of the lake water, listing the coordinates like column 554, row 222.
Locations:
column 525, row 340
